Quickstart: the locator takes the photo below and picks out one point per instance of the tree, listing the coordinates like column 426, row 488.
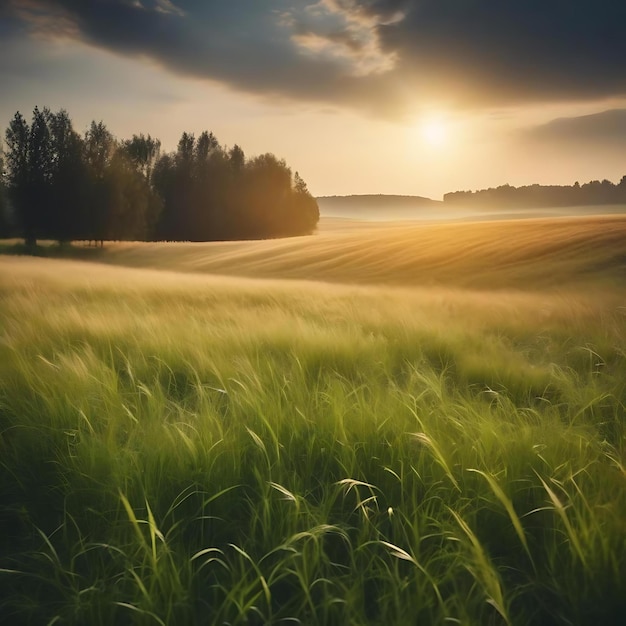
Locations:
column 99, row 147
column 5, row 222
column 307, row 212
column 133, row 208
column 213, row 191
column 17, row 176
column 209, row 193
column 123, row 203
column 185, row 152
column 40, row 174
column 190, row 183
column 143, row 152
column 237, row 159
column 205, row 145
column 621, row 190
column 65, row 186
column 69, row 195
column 164, row 183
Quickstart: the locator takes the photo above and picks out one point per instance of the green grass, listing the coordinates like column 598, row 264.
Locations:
column 181, row 449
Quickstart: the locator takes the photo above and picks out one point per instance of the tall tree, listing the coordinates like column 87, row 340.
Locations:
column 5, row 222
column 203, row 146
column 213, row 192
column 175, row 180
column 70, row 181
column 306, row 213
column 143, row 152
column 40, row 173
column 17, row 157
column 133, row 207
column 163, row 182
column 237, row 159
column 267, row 194
column 99, row 148
column 186, row 144
column 621, row 190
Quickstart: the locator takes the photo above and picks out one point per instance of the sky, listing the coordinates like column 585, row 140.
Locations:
column 412, row 97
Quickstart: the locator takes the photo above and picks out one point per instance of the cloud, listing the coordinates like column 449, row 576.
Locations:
column 247, row 47
column 344, row 35
column 606, row 130
column 386, row 56
column 504, row 51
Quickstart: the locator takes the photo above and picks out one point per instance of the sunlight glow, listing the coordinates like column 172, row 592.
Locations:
column 434, row 132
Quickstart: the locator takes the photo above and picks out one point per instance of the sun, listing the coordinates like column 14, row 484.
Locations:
column 434, row 132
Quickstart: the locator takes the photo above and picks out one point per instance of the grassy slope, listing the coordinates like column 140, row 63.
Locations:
column 520, row 254
column 182, row 449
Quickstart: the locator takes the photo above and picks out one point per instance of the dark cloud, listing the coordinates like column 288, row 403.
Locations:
column 507, row 50
column 606, row 129
column 372, row 53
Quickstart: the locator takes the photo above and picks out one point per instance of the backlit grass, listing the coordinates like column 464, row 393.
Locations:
column 526, row 254
column 519, row 254
column 184, row 449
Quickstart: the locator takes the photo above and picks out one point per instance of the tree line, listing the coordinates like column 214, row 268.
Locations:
column 58, row 184
column 536, row 196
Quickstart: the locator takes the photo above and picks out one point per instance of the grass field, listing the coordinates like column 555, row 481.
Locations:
column 423, row 425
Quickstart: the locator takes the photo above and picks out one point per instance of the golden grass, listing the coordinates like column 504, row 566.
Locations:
column 101, row 300
column 515, row 254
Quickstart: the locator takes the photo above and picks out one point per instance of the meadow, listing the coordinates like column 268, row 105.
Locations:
column 400, row 424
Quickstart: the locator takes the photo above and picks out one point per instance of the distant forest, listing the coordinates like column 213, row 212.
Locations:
column 57, row 184
column 538, row 196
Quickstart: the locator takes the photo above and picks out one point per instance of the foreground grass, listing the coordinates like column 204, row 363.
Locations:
column 187, row 450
